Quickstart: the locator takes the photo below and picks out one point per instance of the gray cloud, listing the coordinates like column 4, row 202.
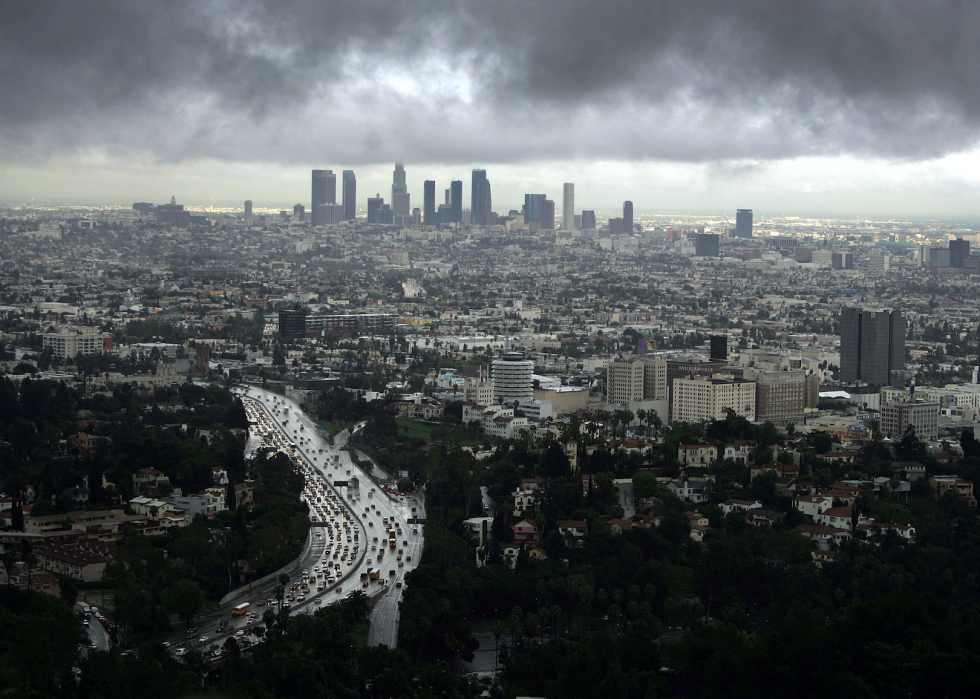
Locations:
column 363, row 82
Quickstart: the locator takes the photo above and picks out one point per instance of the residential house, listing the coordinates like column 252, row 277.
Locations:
column 812, row 506
column 524, row 500
column 735, row 505
column 244, row 494
column 692, row 491
column 526, row 532
column 823, row 535
column 945, row 484
column 618, row 526
column 573, row 531
column 697, row 455
column 147, row 480
column 762, row 517
column 837, row 517
column 696, row 518
column 740, row 451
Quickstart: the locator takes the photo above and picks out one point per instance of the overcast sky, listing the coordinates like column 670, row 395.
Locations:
column 858, row 106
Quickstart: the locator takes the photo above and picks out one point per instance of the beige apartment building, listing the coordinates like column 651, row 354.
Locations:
column 705, row 398
column 780, row 396
column 72, row 344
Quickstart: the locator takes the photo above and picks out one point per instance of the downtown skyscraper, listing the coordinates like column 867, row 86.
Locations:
column 568, row 206
column 350, row 195
column 479, row 209
column 324, row 192
column 456, row 201
column 400, row 199
column 429, row 203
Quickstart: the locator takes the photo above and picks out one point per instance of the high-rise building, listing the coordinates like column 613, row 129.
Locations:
column 324, row 192
column 484, row 202
column 923, row 416
column 872, row 345
column 547, row 214
column 568, row 206
column 511, row 377
column 628, row 217
column 533, row 203
column 444, row 214
column 350, row 195
column 707, row 245
column 743, row 223
column 477, row 214
column 330, row 214
column 292, row 324
column 588, row 220
column 959, row 251
column 429, row 203
column 719, row 348
column 248, row 212
column 842, row 260
column 456, row 200
column 299, row 212
column 375, row 205
column 400, row 198
column 780, row 396
column 624, row 380
column 702, row 398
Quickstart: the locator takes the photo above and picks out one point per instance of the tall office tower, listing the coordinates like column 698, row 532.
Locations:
column 568, row 206
column 429, row 203
column 548, row 214
column 292, row 324
column 872, row 345
column 350, row 195
column 416, row 216
column 959, row 251
column 743, row 223
column 299, row 212
column 324, row 192
column 374, row 206
column 248, row 212
column 588, row 220
column 628, row 217
column 444, row 214
column 511, row 378
column 448, row 197
column 483, row 204
column 400, row 200
column 706, row 245
column 719, row 348
column 477, row 216
column 456, row 200
column 533, row 204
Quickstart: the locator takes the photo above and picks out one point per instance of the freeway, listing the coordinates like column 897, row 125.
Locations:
column 347, row 511
column 380, row 517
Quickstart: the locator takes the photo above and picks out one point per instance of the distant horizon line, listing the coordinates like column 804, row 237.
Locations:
column 229, row 207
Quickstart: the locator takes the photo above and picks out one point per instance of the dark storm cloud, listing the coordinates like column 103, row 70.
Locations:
column 697, row 80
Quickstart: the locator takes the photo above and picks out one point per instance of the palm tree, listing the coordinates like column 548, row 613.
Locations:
column 29, row 561
column 8, row 564
column 497, row 628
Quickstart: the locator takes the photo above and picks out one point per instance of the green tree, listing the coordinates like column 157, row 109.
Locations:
column 184, row 598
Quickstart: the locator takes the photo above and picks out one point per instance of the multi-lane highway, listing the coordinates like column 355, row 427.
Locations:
column 360, row 538
column 371, row 523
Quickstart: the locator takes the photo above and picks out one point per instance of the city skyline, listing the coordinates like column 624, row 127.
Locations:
column 844, row 118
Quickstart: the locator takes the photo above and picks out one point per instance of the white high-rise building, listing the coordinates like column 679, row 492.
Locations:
column 568, row 207
column 511, row 378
